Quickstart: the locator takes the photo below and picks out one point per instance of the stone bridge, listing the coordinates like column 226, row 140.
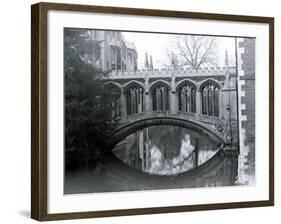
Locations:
column 204, row 101
column 206, row 98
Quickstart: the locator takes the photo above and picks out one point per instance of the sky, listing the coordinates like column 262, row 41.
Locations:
column 157, row 44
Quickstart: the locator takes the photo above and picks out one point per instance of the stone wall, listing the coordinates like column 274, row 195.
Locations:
column 246, row 100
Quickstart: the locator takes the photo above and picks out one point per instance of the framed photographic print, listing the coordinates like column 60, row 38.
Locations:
column 141, row 111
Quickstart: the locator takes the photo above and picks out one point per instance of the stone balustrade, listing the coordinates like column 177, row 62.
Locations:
column 212, row 71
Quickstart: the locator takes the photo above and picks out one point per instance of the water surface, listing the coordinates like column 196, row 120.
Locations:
column 165, row 150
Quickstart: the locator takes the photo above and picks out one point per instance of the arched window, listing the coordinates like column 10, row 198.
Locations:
column 160, row 97
column 134, row 99
column 210, row 99
column 187, row 98
column 112, row 98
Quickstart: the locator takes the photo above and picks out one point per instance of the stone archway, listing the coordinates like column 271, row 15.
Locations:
column 160, row 93
column 124, row 130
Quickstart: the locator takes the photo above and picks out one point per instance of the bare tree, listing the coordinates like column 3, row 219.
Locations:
column 195, row 51
column 171, row 60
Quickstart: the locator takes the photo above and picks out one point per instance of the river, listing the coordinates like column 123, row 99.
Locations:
column 165, row 150
column 150, row 159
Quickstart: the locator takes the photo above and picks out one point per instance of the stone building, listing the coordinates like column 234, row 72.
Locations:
column 246, row 97
column 116, row 53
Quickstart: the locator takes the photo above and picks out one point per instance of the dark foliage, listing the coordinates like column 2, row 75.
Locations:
column 86, row 123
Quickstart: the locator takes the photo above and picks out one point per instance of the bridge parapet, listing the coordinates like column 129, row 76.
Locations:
column 161, row 73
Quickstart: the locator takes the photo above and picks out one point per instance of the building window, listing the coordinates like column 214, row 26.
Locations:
column 112, row 97
column 134, row 98
column 187, row 98
column 210, row 99
column 161, row 97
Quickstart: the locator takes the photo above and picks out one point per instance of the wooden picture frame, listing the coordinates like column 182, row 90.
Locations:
column 39, row 110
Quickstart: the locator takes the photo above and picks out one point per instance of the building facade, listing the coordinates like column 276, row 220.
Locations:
column 117, row 54
column 246, row 93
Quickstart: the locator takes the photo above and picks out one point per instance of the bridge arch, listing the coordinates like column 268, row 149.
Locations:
column 210, row 97
column 112, row 98
column 134, row 96
column 160, row 93
column 186, row 81
column 159, row 82
column 129, row 128
column 209, row 81
column 186, row 93
column 113, row 84
column 132, row 83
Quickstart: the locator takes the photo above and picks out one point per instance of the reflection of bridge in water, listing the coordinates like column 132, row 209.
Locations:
column 204, row 101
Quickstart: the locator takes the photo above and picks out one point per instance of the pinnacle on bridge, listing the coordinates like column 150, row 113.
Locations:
column 226, row 60
column 146, row 63
column 150, row 63
column 174, row 61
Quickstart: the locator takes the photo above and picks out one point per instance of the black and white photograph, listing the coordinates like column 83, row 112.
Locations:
column 140, row 112
column 156, row 111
